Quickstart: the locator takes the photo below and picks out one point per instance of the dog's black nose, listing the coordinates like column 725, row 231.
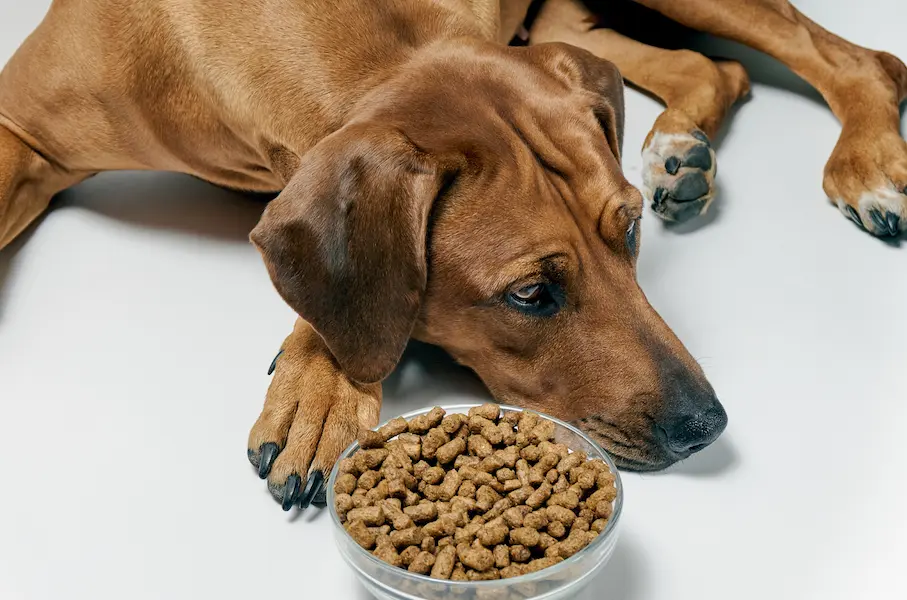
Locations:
column 692, row 431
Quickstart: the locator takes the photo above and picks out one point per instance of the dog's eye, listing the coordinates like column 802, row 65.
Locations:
column 538, row 299
column 633, row 237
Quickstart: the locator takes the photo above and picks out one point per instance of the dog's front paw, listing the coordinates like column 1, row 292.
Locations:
column 678, row 169
column 312, row 413
column 867, row 179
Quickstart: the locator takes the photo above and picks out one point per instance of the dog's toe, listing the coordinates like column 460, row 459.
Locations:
column 882, row 212
column 678, row 174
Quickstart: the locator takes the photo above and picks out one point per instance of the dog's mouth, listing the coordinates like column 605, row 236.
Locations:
column 630, row 452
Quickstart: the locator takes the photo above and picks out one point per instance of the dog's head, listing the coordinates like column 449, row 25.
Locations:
column 476, row 202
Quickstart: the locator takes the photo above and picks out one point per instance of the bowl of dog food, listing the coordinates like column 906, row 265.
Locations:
column 475, row 501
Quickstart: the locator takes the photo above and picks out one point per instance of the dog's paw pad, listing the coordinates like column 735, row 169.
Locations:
column 679, row 174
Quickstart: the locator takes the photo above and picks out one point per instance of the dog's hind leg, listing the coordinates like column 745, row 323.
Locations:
column 28, row 181
column 866, row 176
column 679, row 162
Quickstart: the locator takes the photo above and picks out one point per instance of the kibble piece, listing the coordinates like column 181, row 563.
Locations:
column 423, row 563
column 423, row 423
column 568, row 547
column 377, row 493
column 572, row 460
column 467, row 534
column 433, row 475
column 585, row 479
column 492, row 534
column 345, row 484
column 514, row 516
column 359, row 499
column 530, row 453
column 519, row 496
column 371, row 515
column 486, row 497
column 511, row 485
column 541, row 563
column 451, row 484
column 598, row 525
column 371, row 459
column 508, row 435
column 452, row 423
column 349, row 465
column 462, row 504
column 369, row 479
column 361, row 534
column 458, row 574
column 556, row 529
column 388, row 554
column 498, row 509
column 411, row 444
column 512, row 571
column 562, row 485
column 343, row 503
column 395, row 515
column 450, row 451
column 528, row 421
column 604, row 509
column 464, row 460
column 444, row 562
column 479, row 446
column 488, row 410
column 520, row 553
column 540, row 495
column 560, row 449
column 419, row 469
column 420, row 513
column 512, row 418
column 501, row 556
column 580, row 525
column 408, row 555
column 489, row 575
column 509, row 455
column 491, row 464
column 476, row 558
column 536, row 520
column 568, row 499
column 524, row 536
column 552, row 476
column 407, row 537
column 522, row 471
column 447, row 540
column 546, row 541
column 467, row 489
column 440, row 527
column 431, row 441
column 428, row 544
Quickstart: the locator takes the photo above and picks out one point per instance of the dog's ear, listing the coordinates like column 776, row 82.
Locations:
column 601, row 78
column 345, row 243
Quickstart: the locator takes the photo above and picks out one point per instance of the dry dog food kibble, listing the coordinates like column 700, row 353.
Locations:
column 472, row 498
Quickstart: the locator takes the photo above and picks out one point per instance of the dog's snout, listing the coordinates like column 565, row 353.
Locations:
column 691, row 431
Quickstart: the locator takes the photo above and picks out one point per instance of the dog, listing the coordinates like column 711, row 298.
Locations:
column 437, row 183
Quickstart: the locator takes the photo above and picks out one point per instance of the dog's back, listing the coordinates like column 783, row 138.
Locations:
column 217, row 89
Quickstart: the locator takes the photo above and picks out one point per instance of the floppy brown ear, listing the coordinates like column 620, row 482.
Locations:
column 603, row 80
column 345, row 243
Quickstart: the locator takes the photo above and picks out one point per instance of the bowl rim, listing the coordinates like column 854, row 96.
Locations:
column 609, row 531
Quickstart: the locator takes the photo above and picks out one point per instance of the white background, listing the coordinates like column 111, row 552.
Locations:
column 136, row 325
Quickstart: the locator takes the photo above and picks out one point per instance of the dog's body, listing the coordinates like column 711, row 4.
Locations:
column 436, row 184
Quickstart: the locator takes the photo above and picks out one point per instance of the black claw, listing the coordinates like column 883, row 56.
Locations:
column 699, row 157
column 267, row 453
column 691, row 186
column 320, row 499
column 312, row 489
column 701, row 137
column 854, row 215
column 274, row 363
column 894, row 223
column 291, row 492
column 672, row 165
column 659, row 198
column 879, row 221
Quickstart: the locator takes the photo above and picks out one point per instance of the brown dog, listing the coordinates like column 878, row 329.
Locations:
column 437, row 184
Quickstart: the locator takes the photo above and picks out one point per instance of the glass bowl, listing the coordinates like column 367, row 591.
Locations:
column 563, row 580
